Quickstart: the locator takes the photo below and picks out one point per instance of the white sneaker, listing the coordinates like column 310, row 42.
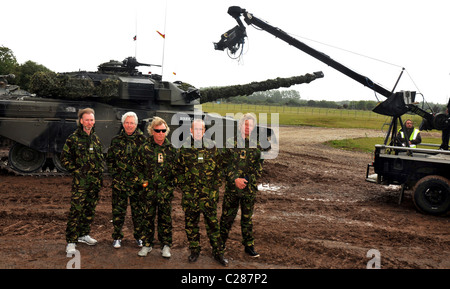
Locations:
column 70, row 249
column 87, row 240
column 166, row 251
column 140, row 243
column 117, row 243
column 144, row 251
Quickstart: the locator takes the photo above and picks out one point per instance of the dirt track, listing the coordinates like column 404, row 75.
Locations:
column 315, row 210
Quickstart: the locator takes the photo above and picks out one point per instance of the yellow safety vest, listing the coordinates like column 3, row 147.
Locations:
column 412, row 136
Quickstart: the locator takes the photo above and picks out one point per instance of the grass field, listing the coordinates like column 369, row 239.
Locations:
column 321, row 117
column 309, row 116
column 367, row 144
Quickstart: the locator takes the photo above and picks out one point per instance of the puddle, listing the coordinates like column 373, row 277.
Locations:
column 269, row 188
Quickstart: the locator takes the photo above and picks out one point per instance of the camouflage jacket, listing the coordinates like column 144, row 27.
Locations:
column 199, row 165
column 243, row 160
column 122, row 154
column 157, row 165
column 82, row 153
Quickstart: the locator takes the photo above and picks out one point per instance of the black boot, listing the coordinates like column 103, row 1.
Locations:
column 220, row 258
column 251, row 251
column 194, row 256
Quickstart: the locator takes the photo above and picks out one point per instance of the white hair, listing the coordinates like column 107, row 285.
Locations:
column 247, row 116
column 128, row 114
column 198, row 120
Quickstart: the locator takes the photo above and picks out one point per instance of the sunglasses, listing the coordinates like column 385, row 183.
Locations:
column 159, row 130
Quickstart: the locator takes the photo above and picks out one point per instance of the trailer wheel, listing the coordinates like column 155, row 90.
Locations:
column 432, row 195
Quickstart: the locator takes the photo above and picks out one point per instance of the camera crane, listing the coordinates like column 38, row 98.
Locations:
column 430, row 177
column 397, row 103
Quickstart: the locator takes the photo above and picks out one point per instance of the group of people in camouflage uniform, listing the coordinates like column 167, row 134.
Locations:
column 146, row 171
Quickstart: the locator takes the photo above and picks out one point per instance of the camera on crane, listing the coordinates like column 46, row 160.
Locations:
column 232, row 39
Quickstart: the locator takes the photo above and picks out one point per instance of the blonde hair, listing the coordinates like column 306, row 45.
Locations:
column 155, row 122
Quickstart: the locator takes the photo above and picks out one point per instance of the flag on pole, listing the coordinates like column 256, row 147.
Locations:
column 162, row 35
column 135, row 37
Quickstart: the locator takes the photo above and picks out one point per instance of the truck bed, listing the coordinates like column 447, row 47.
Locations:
column 404, row 165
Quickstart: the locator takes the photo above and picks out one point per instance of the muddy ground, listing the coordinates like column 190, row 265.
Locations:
column 314, row 210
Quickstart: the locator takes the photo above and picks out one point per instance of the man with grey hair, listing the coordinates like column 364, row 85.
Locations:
column 121, row 160
column 200, row 167
column 243, row 167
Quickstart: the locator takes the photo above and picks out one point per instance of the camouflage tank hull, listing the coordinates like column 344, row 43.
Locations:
column 33, row 129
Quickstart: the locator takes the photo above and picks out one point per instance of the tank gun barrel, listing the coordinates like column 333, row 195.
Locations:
column 132, row 63
column 214, row 93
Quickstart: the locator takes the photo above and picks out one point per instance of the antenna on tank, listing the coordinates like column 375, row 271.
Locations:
column 135, row 34
column 164, row 41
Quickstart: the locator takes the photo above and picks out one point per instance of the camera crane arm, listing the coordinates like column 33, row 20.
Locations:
column 236, row 36
column 397, row 103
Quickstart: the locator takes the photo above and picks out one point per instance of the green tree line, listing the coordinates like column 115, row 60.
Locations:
column 23, row 72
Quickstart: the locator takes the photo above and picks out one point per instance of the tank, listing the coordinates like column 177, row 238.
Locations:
column 34, row 125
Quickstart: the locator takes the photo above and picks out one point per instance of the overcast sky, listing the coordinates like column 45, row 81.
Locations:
column 73, row 35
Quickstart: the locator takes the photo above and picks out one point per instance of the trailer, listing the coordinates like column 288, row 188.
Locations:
column 425, row 171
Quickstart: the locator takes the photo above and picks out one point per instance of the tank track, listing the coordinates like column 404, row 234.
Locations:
column 6, row 169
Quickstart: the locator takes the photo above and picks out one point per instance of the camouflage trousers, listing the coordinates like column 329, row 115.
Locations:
column 157, row 203
column 232, row 198
column 121, row 193
column 84, row 199
column 195, row 202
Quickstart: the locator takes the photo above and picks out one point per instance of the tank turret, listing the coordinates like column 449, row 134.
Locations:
column 34, row 127
column 127, row 66
column 114, row 81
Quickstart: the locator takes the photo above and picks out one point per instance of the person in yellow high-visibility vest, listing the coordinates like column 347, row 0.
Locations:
column 412, row 135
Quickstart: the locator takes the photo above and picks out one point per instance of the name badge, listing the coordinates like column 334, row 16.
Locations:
column 129, row 149
column 200, row 158
column 160, row 158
